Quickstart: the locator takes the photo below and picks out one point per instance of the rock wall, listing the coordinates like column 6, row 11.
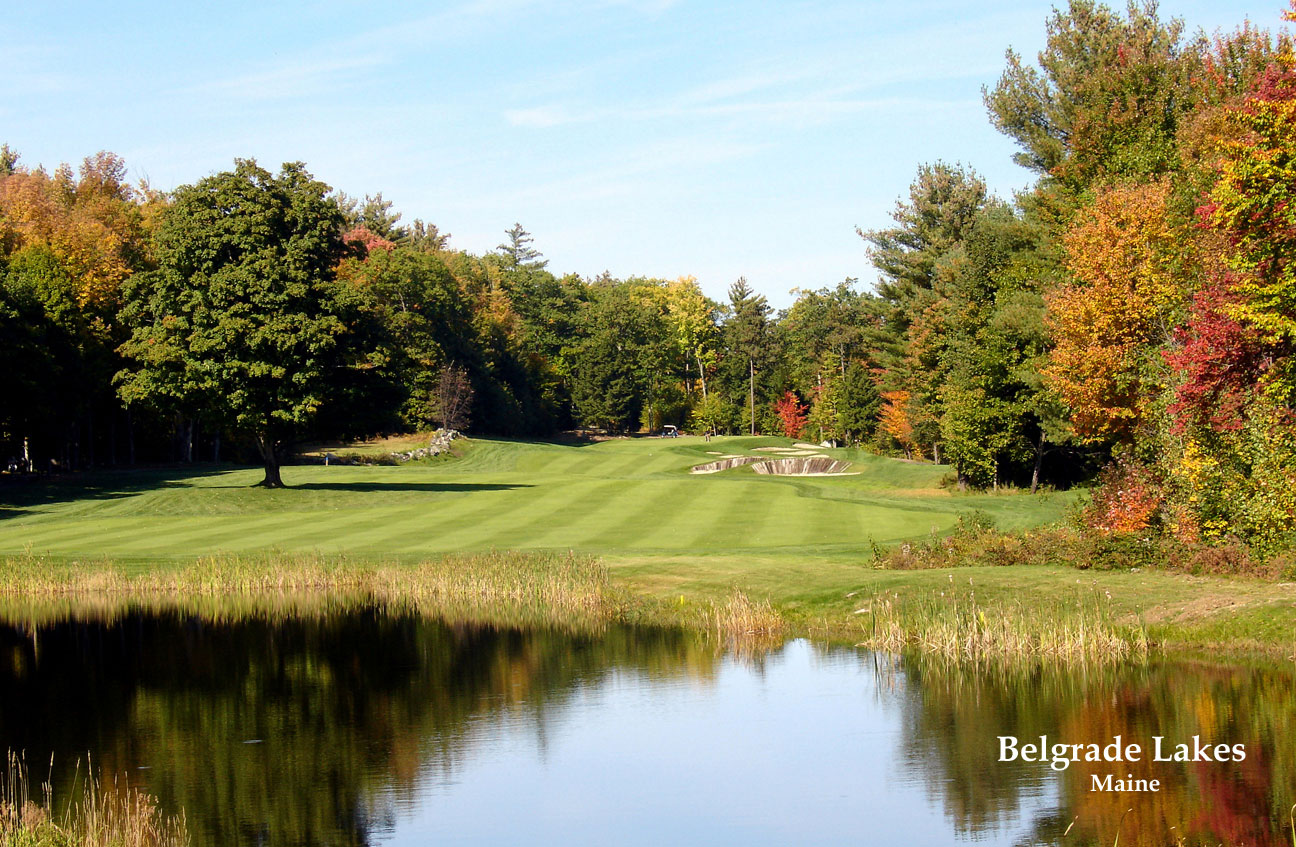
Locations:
column 724, row 464
column 801, row 467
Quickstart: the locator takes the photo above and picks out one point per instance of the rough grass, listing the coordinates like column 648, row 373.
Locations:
column 103, row 815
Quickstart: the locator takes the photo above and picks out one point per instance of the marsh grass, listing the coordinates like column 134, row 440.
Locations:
column 558, row 590
column 102, row 815
column 952, row 624
column 743, row 624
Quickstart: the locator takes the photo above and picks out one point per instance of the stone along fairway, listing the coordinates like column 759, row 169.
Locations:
column 622, row 498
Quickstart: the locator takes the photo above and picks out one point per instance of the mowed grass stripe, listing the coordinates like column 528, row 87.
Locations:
column 219, row 532
column 334, row 530
column 666, row 504
column 115, row 535
column 72, row 535
column 735, row 509
column 435, row 528
column 602, row 516
column 523, row 527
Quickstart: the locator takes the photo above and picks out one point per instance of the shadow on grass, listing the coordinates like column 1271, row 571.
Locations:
column 380, row 487
column 19, row 494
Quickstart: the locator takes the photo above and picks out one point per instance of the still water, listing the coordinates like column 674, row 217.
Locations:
column 361, row 727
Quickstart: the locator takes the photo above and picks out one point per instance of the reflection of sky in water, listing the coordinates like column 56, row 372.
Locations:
column 804, row 749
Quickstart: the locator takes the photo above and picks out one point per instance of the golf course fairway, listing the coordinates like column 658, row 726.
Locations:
column 626, row 496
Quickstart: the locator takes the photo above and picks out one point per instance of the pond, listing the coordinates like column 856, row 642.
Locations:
column 363, row 727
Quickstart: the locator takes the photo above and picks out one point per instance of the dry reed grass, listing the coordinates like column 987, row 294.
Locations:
column 506, row 588
column 101, row 816
column 953, row 625
column 743, row 624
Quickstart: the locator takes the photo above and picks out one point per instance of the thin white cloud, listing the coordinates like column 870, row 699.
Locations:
column 290, row 79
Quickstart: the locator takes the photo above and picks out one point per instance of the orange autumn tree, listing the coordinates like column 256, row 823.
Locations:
column 1122, row 253
column 94, row 224
column 895, row 420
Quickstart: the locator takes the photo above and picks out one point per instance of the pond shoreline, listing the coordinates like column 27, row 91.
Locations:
column 976, row 613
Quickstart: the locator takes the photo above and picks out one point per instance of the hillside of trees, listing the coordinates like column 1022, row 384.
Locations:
column 1132, row 315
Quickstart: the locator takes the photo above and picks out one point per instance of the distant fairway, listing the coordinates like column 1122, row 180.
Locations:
column 631, row 497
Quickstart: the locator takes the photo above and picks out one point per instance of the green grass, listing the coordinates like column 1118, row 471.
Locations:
column 684, row 541
column 625, row 497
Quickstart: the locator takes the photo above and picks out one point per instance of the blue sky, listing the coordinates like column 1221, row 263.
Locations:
column 643, row 137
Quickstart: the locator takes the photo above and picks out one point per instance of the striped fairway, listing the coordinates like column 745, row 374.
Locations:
column 630, row 496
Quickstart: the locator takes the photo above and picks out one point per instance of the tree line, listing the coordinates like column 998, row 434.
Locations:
column 1134, row 309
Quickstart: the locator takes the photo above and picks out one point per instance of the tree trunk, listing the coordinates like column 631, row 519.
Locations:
column 936, row 452
column 216, row 448
column 702, row 376
column 751, row 393
column 1039, row 460
column 268, row 449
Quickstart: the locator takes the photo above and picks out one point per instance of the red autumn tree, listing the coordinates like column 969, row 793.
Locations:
column 1220, row 360
column 792, row 413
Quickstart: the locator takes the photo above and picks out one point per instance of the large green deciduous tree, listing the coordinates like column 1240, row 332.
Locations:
column 242, row 320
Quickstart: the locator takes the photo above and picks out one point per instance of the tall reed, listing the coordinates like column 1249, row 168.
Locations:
column 559, row 589
column 101, row 815
column 953, row 624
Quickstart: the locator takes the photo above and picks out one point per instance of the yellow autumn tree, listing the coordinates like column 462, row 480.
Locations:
column 1122, row 253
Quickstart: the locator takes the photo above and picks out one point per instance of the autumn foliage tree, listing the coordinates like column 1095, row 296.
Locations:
column 792, row 414
column 1252, row 203
column 1122, row 253
column 895, row 420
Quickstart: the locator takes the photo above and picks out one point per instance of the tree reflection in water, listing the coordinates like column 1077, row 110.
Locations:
column 953, row 717
column 328, row 728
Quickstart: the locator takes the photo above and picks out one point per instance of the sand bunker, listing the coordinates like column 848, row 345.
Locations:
column 808, row 466
column 803, row 446
column 725, row 464
column 775, row 450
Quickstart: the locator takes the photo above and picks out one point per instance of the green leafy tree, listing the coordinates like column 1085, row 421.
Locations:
column 242, row 318
column 613, row 362
column 1107, row 98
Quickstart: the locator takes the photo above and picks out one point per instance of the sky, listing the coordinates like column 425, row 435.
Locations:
column 652, row 138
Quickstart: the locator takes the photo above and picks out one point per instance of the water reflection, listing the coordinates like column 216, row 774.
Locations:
column 954, row 716
column 361, row 727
